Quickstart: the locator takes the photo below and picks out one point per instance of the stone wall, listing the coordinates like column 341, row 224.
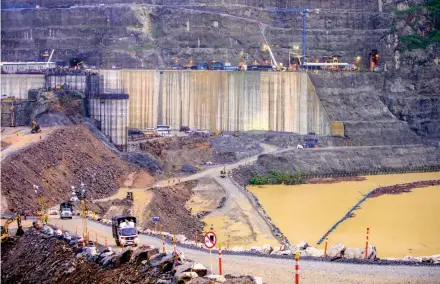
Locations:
column 230, row 101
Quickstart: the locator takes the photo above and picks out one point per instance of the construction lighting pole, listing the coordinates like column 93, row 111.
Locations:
column 39, row 193
column 303, row 12
column 81, row 194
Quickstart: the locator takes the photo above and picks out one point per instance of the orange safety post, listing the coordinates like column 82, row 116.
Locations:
column 220, row 269
column 174, row 243
column 229, row 239
column 325, row 247
column 297, row 267
column 163, row 243
column 366, row 243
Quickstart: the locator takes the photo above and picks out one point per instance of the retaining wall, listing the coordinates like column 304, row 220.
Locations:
column 18, row 85
column 220, row 100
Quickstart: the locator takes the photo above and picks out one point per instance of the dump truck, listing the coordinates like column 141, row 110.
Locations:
column 124, row 231
column 66, row 210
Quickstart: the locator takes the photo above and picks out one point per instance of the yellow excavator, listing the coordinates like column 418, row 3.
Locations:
column 4, row 229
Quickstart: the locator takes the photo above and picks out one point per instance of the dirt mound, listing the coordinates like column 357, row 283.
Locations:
column 172, row 153
column 168, row 203
column 69, row 156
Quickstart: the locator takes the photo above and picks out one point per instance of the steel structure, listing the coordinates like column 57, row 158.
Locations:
column 303, row 12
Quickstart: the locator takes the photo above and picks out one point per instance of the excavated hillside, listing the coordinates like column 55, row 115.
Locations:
column 152, row 33
column 69, row 156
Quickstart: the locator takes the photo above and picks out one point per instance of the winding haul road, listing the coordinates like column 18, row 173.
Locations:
column 279, row 271
column 272, row 270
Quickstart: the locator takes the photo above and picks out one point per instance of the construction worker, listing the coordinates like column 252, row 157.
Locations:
column 35, row 127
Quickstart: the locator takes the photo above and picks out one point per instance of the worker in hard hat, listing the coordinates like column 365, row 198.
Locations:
column 35, row 127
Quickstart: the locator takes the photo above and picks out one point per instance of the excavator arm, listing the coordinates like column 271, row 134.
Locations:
column 5, row 228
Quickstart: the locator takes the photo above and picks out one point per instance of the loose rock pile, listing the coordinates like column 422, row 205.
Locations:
column 53, row 256
column 402, row 188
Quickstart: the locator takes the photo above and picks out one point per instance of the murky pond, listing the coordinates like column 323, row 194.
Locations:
column 397, row 222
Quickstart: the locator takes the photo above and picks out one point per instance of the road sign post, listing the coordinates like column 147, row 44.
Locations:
column 155, row 221
column 210, row 240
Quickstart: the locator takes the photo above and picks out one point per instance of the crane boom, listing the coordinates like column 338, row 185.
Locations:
column 50, row 57
column 272, row 57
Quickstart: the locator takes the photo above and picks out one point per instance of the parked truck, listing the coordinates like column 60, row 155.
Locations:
column 124, row 231
column 66, row 210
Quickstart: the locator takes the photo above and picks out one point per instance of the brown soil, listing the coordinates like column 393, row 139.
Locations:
column 334, row 180
column 402, row 188
column 168, row 203
column 69, row 156
column 172, row 153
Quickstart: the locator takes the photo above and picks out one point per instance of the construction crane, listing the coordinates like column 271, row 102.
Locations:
column 50, row 57
column 272, row 57
column 303, row 12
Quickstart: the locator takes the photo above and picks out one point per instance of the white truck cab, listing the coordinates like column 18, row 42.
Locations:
column 124, row 231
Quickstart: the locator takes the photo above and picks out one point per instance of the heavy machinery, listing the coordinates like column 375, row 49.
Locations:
column 130, row 195
column 374, row 59
column 66, row 210
column 202, row 66
column 4, row 229
column 223, row 173
column 124, row 231
column 217, row 66
column 310, row 143
column 267, row 46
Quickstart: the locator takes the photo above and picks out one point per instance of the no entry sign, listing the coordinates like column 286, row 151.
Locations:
column 210, row 240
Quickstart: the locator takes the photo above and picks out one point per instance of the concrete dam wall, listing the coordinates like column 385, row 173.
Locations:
column 18, row 85
column 229, row 101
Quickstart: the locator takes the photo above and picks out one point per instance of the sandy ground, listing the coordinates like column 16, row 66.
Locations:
column 206, row 196
column 399, row 224
column 277, row 271
column 21, row 137
column 140, row 184
column 306, row 212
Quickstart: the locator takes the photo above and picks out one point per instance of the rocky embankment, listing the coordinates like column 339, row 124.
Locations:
column 49, row 256
column 69, row 156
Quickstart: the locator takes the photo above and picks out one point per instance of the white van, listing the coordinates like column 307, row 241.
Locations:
column 164, row 130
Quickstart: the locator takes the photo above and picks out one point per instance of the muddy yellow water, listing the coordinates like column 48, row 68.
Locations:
column 306, row 212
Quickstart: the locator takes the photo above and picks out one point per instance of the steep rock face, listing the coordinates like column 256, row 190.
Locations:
column 154, row 33
column 356, row 100
column 412, row 93
column 352, row 160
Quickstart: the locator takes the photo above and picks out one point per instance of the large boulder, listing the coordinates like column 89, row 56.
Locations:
column 164, row 262
column 303, row 245
column 284, row 252
column 354, row 253
column 312, row 251
column 125, row 255
column 185, row 276
column 372, row 253
column 200, row 269
column 267, row 249
column 435, row 258
column 336, row 250
column 143, row 253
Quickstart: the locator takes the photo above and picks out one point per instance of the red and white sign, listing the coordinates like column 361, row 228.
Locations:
column 210, row 240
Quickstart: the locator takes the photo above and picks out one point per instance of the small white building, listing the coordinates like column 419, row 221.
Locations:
column 18, row 67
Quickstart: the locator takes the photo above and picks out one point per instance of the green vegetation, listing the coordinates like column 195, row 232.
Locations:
column 275, row 177
column 412, row 16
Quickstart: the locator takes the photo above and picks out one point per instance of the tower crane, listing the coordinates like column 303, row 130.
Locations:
column 303, row 12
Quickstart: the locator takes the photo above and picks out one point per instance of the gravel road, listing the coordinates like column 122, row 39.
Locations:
column 277, row 271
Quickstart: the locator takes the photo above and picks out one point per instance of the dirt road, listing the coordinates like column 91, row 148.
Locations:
column 276, row 271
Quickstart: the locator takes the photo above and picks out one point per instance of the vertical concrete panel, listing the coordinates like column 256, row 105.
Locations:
column 18, row 85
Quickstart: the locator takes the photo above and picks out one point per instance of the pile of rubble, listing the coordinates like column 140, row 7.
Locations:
column 47, row 255
column 402, row 188
column 69, row 156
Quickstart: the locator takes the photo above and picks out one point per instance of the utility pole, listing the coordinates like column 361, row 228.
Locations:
column 81, row 194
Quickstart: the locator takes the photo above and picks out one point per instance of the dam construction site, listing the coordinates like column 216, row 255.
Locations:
column 221, row 141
